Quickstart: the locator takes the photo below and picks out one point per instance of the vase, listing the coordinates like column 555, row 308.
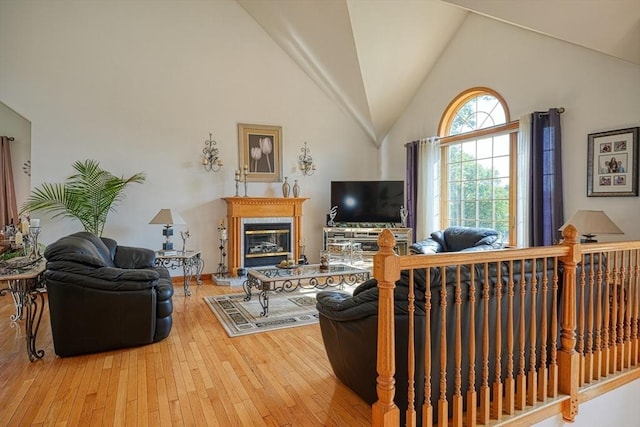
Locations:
column 296, row 189
column 285, row 188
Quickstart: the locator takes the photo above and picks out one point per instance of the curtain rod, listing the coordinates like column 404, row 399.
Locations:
column 10, row 138
column 542, row 113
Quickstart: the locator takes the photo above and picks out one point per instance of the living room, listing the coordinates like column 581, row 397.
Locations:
column 139, row 86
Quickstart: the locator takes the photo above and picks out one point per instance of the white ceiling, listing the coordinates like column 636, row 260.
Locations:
column 372, row 56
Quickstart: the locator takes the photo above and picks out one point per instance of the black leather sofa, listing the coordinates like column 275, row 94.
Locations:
column 103, row 296
column 458, row 239
column 349, row 328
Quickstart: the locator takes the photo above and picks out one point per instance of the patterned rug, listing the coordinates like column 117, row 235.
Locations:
column 286, row 310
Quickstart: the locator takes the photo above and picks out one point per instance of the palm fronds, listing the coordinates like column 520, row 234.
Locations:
column 88, row 195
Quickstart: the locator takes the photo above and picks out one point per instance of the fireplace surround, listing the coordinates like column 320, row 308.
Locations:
column 253, row 210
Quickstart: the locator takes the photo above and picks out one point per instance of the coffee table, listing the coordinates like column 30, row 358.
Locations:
column 276, row 279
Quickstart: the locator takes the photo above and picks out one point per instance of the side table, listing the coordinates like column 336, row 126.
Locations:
column 191, row 262
column 26, row 285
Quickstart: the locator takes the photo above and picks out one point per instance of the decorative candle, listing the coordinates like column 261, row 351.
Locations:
column 18, row 238
column 223, row 234
column 34, row 223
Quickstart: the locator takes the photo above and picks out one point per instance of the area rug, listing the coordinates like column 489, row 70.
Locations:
column 286, row 310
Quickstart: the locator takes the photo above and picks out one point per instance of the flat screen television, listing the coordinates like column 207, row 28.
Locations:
column 367, row 201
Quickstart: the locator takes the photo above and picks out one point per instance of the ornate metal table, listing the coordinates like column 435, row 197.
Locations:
column 288, row 279
column 191, row 262
column 26, row 285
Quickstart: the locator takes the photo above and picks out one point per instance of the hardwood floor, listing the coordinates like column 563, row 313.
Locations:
column 198, row 376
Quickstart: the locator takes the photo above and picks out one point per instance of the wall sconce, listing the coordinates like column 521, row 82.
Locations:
column 306, row 161
column 210, row 159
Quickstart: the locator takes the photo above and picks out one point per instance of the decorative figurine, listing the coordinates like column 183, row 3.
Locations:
column 403, row 216
column 332, row 215
column 185, row 236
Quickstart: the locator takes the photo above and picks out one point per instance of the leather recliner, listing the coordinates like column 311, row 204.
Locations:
column 349, row 327
column 459, row 239
column 103, row 296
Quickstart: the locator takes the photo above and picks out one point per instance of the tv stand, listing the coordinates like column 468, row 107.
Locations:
column 366, row 238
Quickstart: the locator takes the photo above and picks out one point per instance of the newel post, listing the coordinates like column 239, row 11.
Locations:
column 386, row 268
column 568, row 357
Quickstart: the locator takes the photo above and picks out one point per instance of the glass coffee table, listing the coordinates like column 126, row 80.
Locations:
column 278, row 279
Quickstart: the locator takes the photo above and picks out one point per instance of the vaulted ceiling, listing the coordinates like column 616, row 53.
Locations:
column 371, row 56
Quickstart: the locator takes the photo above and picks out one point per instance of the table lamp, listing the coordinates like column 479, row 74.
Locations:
column 167, row 218
column 590, row 223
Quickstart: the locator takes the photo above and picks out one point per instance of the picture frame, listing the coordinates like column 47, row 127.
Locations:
column 612, row 163
column 260, row 149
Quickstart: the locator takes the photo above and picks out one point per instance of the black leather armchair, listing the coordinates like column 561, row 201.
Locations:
column 349, row 327
column 103, row 296
column 459, row 239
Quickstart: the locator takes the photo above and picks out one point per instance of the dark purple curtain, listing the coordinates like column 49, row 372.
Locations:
column 411, row 182
column 546, row 204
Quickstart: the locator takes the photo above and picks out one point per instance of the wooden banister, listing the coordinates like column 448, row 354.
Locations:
column 509, row 334
column 568, row 358
column 386, row 268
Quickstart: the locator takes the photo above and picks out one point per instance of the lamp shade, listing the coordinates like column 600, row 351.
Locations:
column 590, row 223
column 167, row 217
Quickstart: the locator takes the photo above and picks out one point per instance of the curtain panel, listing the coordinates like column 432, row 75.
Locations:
column 8, row 205
column 423, row 187
column 545, row 176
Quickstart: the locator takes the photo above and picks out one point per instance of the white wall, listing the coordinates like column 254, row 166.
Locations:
column 14, row 125
column 533, row 73
column 139, row 85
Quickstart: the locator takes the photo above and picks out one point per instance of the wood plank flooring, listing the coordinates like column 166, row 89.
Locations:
column 198, row 376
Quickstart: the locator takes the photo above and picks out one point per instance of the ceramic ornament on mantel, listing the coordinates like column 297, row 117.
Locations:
column 296, row 188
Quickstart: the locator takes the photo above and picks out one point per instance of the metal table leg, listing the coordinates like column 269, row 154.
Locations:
column 30, row 308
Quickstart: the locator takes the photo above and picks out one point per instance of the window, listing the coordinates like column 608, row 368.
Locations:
column 478, row 163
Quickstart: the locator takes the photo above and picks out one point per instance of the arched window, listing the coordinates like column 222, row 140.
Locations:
column 479, row 163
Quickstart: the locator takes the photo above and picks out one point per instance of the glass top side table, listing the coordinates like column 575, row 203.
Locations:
column 191, row 262
column 26, row 285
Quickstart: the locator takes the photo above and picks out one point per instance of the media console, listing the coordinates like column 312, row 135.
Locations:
column 366, row 239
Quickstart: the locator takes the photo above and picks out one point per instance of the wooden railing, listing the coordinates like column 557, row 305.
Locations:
column 513, row 335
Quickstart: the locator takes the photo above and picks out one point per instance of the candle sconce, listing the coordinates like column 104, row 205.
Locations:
column 222, row 265
column 210, row 156
column 305, row 161
column 33, row 239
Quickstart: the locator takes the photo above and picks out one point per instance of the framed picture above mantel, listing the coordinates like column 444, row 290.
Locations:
column 612, row 163
column 260, row 148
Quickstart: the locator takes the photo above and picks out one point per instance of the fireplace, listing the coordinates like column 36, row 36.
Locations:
column 242, row 211
column 267, row 241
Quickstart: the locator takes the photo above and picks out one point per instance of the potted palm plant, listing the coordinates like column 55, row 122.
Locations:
column 88, row 195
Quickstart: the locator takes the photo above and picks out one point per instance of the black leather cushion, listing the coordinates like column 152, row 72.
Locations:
column 129, row 257
column 458, row 239
column 83, row 248
column 462, row 238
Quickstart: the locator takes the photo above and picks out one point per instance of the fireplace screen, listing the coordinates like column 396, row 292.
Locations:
column 266, row 244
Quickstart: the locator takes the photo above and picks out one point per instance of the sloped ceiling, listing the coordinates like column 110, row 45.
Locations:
column 371, row 57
